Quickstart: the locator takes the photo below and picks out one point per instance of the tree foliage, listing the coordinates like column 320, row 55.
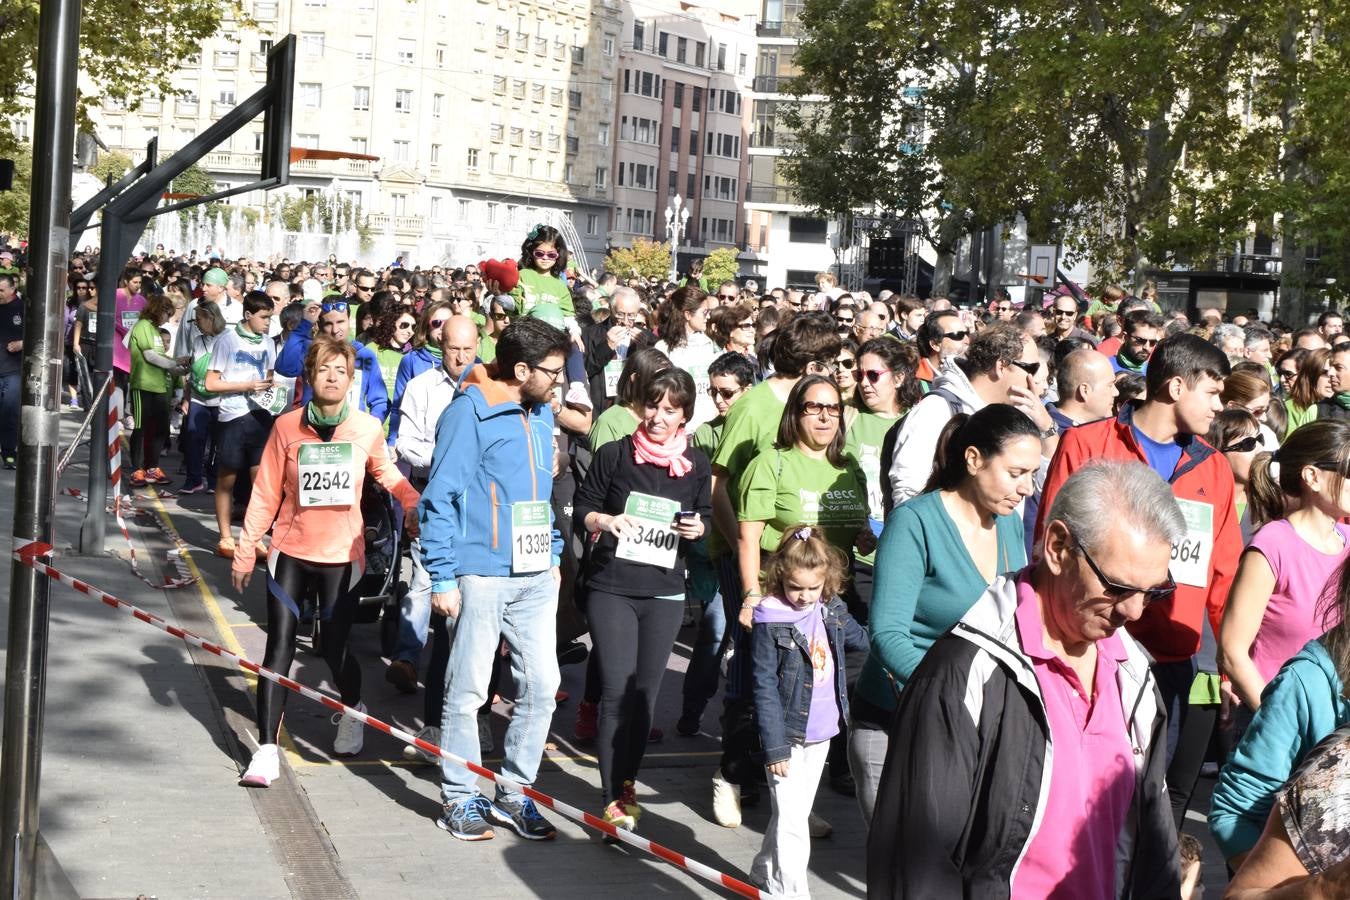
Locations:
column 112, row 164
column 721, row 265
column 646, row 259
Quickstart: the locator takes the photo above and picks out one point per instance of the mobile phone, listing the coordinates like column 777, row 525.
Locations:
column 686, row 514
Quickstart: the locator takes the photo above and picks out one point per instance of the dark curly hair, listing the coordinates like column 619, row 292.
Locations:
column 543, row 234
column 384, row 333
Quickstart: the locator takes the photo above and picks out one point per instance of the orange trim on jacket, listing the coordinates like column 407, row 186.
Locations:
column 320, row 534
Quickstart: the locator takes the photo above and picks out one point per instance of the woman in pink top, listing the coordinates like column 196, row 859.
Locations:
column 1272, row 610
column 126, row 310
column 309, row 484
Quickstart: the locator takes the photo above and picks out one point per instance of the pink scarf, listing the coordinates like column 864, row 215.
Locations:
column 670, row 454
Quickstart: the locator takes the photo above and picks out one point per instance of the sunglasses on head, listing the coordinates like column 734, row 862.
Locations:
column 1247, row 444
column 546, row 254
column 335, row 306
column 1116, row 592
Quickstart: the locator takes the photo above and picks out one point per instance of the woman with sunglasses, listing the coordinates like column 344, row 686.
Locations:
column 497, row 319
column 1311, row 385
column 887, row 389
column 391, row 339
column 845, row 374
column 1286, row 370
column 732, row 328
column 1247, row 387
column 1237, row 434
column 684, row 339
column 1272, row 608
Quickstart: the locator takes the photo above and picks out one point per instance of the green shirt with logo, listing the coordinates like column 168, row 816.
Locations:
column 862, row 443
column 783, row 488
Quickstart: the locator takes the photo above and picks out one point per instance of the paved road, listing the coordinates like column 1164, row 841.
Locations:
column 144, row 741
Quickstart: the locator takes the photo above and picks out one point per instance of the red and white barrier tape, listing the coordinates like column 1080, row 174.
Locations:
column 28, row 554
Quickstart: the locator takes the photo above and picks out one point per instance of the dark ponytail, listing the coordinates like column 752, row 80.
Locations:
column 988, row 431
column 1322, row 443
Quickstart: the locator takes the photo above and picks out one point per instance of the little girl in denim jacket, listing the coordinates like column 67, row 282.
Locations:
column 797, row 645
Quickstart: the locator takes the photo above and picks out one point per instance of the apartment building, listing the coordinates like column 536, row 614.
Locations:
column 683, row 125
column 483, row 116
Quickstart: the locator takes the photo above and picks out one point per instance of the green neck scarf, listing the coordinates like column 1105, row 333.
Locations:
column 435, row 351
column 248, row 335
column 1128, row 364
column 319, row 420
column 1342, row 399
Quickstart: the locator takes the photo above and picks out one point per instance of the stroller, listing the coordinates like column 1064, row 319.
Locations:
column 379, row 591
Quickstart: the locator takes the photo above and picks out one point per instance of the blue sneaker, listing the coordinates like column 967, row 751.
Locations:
column 518, row 813
column 467, row 819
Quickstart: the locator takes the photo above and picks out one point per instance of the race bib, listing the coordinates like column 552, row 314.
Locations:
column 869, row 460
column 1190, row 555
column 613, row 369
column 92, row 322
column 655, row 541
column 129, row 317
column 326, row 476
column 701, row 380
column 531, row 537
column 354, row 394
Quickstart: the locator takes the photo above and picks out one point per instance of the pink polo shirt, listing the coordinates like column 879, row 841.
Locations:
column 1073, row 854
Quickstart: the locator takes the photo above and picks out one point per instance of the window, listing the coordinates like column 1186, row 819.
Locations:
column 518, row 90
column 673, row 181
column 437, row 103
column 604, row 134
column 492, row 213
column 601, row 177
column 537, row 140
column 462, row 211
column 436, row 211
column 639, row 28
column 689, row 185
column 503, row 37
column 265, row 10
column 721, row 57
column 492, row 162
column 517, row 136
column 679, row 95
column 719, row 187
column 569, row 173
column 510, row 165
column 113, row 134
column 496, row 131
column 663, row 44
column 693, row 143
column 807, row 231
column 574, row 99
column 192, row 60
column 675, row 139
column 400, row 204
column 499, row 84
column 311, row 43
column 471, row 159
column 407, row 50
column 698, row 99
column 361, row 97
column 359, row 144
column 402, row 151
column 365, row 46
column 555, row 96
column 308, row 141
column 440, row 54
column 606, row 90
column 403, row 101
column 699, row 49
column 682, row 50
column 537, row 93
column 435, row 154
column 740, row 65
column 310, row 94
column 607, row 45
column 554, row 139
column 225, row 95
column 226, row 59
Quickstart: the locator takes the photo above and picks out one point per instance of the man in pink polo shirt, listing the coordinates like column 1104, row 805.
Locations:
column 1027, row 754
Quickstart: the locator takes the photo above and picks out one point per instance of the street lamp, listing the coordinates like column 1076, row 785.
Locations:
column 677, row 220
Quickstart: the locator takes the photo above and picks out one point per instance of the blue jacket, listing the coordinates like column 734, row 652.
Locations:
column 291, row 362
column 782, row 674
column 414, row 363
column 490, row 453
column 1301, row 705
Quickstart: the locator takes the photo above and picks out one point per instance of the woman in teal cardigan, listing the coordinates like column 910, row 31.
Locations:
column 937, row 555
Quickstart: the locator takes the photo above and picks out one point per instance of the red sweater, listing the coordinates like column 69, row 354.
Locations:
column 1170, row 631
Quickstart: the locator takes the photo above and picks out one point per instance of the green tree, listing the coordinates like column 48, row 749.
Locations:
column 193, row 180
column 112, row 164
column 721, row 265
column 646, row 259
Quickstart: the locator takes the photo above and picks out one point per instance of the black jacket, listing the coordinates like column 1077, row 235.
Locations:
column 965, row 778
column 598, row 352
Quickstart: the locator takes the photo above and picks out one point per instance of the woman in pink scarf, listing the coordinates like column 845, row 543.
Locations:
column 645, row 500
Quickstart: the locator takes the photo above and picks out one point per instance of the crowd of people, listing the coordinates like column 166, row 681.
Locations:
column 1012, row 576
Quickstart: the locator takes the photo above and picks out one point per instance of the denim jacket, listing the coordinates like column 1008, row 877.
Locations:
column 782, row 674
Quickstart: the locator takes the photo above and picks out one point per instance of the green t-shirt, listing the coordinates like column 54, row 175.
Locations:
column 487, row 348
column 862, row 444
column 389, row 359
column 750, row 429
column 614, row 423
column 1296, row 415
column 535, row 287
column 708, row 435
column 145, row 377
column 782, row 488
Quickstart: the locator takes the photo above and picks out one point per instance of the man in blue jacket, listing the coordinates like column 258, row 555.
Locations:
column 492, row 550
column 332, row 317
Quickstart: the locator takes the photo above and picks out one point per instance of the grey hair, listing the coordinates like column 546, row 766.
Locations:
column 237, row 282
column 1106, row 494
column 1225, row 332
column 1255, row 334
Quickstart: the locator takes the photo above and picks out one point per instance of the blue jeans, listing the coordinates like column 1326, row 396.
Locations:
column 700, row 681
column 414, row 612
column 10, row 402
column 200, row 449
column 523, row 609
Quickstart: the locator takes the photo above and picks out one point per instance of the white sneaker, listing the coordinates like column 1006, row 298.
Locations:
column 818, row 827
column 351, row 733
column 432, row 735
column 486, row 742
column 264, row 768
column 726, row 802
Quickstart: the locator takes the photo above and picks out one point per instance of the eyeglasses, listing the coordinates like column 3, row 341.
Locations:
column 745, row 324
column 727, row 394
column 1143, row 342
column 500, row 317
column 1116, row 592
column 1247, row 444
column 1286, row 374
column 874, row 375
column 812, row 408
column 1003, row 308
column 365, row 287
column 335, row 306
column 1066, row 312
column 551, row 373
column 546, row 254
column 846, row 323
column 436, row 323
column 828, row 367
column 956, row 335
column 1031, row 368
column 848, row 363
column 403, row 326
column 728, row 296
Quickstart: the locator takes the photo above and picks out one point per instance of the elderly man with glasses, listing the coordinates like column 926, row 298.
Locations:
column 605, row 345
column 1073, row 803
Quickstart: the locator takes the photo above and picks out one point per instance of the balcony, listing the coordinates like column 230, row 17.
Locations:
column 228, row 161
column 184, row 107
column 771, row 28
column 380, row 222
column 768, row 139
column 221, row 107
column 257, row 61
column 769, row 193
column 771, row 84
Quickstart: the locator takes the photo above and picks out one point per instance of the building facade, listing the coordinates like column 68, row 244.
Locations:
column 683, row 131
column 483, row 116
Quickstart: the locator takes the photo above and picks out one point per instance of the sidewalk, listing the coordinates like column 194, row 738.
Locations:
column 142, row 749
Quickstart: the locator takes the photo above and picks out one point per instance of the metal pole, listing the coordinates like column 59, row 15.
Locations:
column 40, row 422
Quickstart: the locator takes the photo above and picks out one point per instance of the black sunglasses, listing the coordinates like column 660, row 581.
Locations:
column 848, row 364
column 1247, row 444
column 1116, row 592
column 956, row 335
column 723, row 393
column 1031, row 368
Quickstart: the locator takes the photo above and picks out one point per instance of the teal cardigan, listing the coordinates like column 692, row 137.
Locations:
column 925, row 582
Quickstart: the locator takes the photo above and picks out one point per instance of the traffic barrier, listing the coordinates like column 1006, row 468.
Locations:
column 28, row 554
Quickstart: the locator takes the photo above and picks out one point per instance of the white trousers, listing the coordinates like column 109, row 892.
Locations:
column 781, row 863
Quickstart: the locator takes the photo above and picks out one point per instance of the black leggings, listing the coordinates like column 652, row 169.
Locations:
column 152, row 427
column 332, row 584
column 633, row 638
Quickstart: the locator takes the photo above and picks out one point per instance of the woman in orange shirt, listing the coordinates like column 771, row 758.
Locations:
column 309, row 484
